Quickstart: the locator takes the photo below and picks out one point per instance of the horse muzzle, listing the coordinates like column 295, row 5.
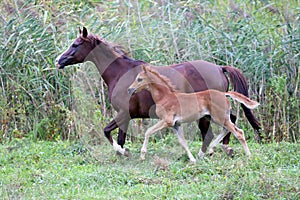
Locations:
column 63, row 61
column 131, row 91
column 58, row 66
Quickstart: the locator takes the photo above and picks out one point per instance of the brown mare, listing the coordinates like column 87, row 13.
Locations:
column 174, row 108
column 119, row 71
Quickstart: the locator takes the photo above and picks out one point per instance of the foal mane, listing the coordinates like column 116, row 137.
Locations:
column 116, row 49
column 165, row 80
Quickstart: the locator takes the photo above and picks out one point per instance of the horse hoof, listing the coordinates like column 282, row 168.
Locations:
column 126, row 153
column 201, row 155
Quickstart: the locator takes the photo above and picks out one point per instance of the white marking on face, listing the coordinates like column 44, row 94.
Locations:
column 56, row 60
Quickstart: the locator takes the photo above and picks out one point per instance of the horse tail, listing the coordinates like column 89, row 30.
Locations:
column 240, row 85
column 242, row 99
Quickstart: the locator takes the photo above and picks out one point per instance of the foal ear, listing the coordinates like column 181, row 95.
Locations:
column 144, row 68
column 147, row 68
column 84, row 32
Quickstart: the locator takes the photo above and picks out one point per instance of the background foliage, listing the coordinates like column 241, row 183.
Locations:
column 262, row 38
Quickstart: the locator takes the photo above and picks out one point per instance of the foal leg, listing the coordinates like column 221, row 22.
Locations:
column 183, row 143
column 208, row 136
column 156, row 127
column 216, row 141
column 239, row 134
column 229, row 151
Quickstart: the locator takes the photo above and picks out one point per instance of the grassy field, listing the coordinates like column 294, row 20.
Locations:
column 51, row 141
column 74, row 170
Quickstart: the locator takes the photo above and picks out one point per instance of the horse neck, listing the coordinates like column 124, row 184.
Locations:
column 110, row 65
column 102, row 57
column 159, row 91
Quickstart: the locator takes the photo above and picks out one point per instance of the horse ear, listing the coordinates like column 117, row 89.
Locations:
column 80, row 31
column 84, row 32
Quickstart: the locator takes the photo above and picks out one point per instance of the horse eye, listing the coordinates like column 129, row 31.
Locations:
column 75, row 45
column 139, row 79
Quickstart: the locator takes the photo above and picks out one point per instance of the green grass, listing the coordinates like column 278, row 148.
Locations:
column 38, row 102
column 261, row 38
column 74, row 170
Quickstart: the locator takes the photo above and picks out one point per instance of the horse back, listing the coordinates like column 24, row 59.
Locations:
column 195, row 76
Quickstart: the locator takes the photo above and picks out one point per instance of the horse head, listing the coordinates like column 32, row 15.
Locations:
column 77, row 52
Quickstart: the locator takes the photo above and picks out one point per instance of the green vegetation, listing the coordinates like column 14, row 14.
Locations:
column 69, row 107
column 260, row 37
column 72, row 170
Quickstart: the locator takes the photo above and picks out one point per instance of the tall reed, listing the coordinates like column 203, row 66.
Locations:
column 260, row 38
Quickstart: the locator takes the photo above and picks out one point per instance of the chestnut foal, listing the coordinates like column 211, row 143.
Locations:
column 174, row 108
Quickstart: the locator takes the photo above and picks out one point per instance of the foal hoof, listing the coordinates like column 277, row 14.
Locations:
column 230, row 152
column 127, row 153
column 193, row 162
column 142, row 159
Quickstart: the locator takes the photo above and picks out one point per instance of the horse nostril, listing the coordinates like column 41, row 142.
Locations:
column 130, row 91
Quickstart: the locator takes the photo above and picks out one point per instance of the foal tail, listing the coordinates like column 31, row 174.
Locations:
column 242, row 99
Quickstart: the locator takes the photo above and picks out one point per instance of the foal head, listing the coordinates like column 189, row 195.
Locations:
column 141, row 82
column 148, row 77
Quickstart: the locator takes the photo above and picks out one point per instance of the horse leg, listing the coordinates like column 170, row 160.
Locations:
column 228, row 150
column 122, row 136
column 216, row 141
column 206, row 132
column 123, row 122
column 110, row 127
column 156, row 127
column 183, row 143
column 115, row 123
column 239, row 134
